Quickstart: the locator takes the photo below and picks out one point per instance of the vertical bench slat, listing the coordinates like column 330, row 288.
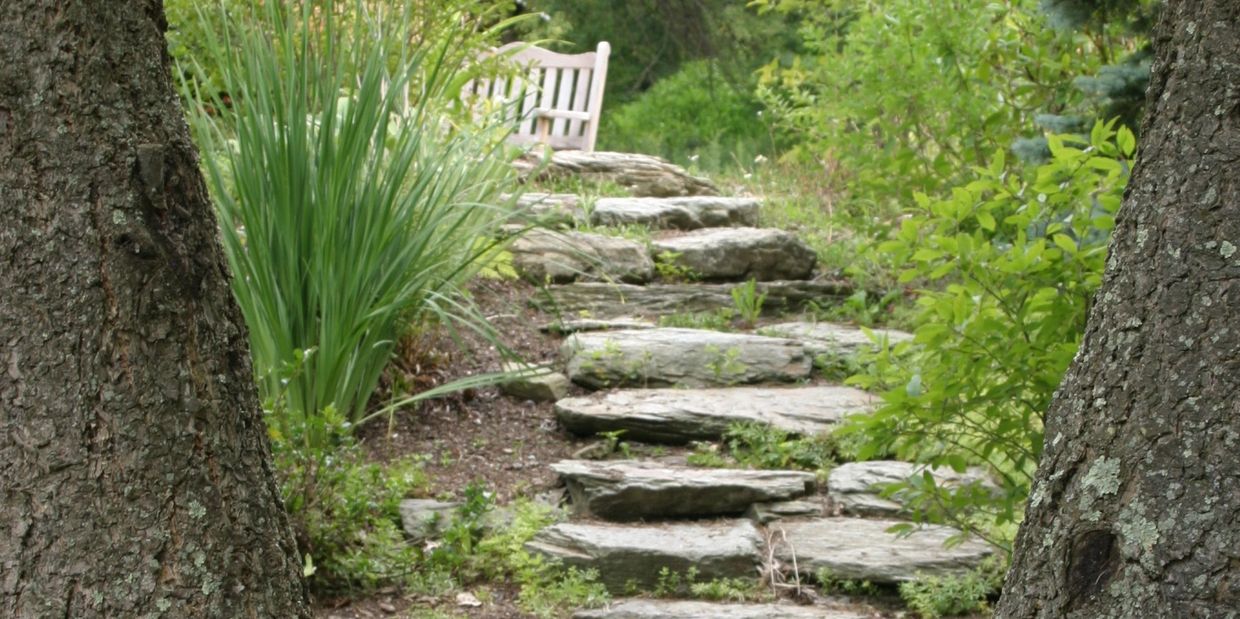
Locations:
column 576, row 128
column 564, row 99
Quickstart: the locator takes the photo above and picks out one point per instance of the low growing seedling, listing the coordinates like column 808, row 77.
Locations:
column 667, row 265
column 748, row 302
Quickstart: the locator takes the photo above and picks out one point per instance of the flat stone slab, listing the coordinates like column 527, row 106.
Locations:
column 625, row 490
column 602, row 300
column 678, row 416
column 856, row 487
column 425, row 518
column 549, row 208
column 641, row 175
column 862, row 549
column 578, row 325
column 534, row 383
column 681, row 609
column 681, row 357
column 764, row 513
column 739, row 254
column 625, row 554
column 831, row 343
column 541, row 256
column 687, row 213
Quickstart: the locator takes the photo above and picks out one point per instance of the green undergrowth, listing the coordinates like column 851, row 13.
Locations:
column 673, row 584
column 760, row 446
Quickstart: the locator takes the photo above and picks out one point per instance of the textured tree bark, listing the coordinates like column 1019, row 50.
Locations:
column 1136, row 508
column 134, row 468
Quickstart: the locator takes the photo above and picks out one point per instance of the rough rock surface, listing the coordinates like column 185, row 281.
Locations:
column 633, row 490
column 642, row 175
column 577, row 325
column 538, row 385
column 678, row 609
column 549, row 209
column 862, row 549
column 625, row 554
column 830, row 343
column 604, row 300
column 681, row 357
column 763, row 513
column 425, row 518
column 739, row 254
column 542, row 255
column 855, row 487
column 688, row 213
column 682, row 415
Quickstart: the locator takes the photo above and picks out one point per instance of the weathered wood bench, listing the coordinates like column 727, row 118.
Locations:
column 555, row 99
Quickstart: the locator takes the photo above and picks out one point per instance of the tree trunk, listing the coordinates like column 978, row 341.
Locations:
column 1136, row 508
column 134, row 468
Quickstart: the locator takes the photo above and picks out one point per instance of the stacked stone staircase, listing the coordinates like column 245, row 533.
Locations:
column 633, row 518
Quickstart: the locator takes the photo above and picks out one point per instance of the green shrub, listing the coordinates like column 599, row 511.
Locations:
column 932, row 597
column 906, row 95
column 691, row 116
column 346, row 511
column 347, row 210
column 1010, row 265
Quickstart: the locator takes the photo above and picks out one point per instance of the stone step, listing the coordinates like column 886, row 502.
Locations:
column 549, row 209
column 739, row 254
column 545, row 256
column 687, row 213
column 831, row 344
column 862, row 549
column 603, row 300
column 856, row 487
column 681, row 357
column 682, row 609
column 678, row 416
column 641, row 175
column 577, row 325
column 627, row 555
column 624, row 490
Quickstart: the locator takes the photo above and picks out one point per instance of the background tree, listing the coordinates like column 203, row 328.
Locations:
column 135, row 470
column 1134, row 510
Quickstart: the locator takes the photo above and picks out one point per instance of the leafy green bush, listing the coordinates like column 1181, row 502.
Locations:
column 348, row 211
column 905, row 94
column 932, row 597
column 1010, row 264
column 346, row 511
column 691, row 116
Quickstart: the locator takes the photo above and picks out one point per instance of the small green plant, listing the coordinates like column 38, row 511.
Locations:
column 762, row 446
column 706, row 455
column 671, row 583
column 932, row 597
column 830, row 583
column 748, row 302
column 725, row 365
column 730, row 590
column 718, row 320
column 614, row 445
column 667, row 265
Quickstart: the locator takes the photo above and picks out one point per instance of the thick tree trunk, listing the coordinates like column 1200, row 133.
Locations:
column 1136, row 507
column 135, row 476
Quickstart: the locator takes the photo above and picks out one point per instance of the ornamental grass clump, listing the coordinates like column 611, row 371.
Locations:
column 352, row 202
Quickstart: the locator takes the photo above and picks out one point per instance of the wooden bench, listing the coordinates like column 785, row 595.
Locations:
column 555, row 99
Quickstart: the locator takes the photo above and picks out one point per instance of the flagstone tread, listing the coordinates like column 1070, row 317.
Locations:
column 624, row 490
column 856, row 487
column 677, row 416
column 577, row 325
column 541, row 256
column 626, row 555
column 862, row 549
column 684, row 609
column 683, row 213
column 549, row 209
column 739, row 254
column 641, row 175
column 681, row 357
column 830, row 342
column 603, row 300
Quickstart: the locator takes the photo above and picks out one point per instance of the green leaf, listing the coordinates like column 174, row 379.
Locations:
column 1126, row 141
column 1065, row 243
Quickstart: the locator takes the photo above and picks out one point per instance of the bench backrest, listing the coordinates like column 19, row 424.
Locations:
column 555, row 98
